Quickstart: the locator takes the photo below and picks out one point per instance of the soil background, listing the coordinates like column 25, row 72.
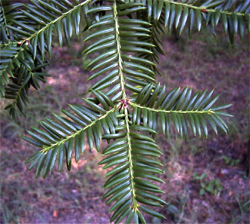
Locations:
column 205, row 62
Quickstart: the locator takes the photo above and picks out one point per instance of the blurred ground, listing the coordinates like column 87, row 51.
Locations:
column 76, row 197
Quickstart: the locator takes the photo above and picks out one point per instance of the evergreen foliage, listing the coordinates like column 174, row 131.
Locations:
column 128, row 106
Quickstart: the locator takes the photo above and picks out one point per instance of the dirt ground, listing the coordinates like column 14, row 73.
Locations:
column 204, row 62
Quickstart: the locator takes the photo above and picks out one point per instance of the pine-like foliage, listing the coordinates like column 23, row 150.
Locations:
column 128, row 106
